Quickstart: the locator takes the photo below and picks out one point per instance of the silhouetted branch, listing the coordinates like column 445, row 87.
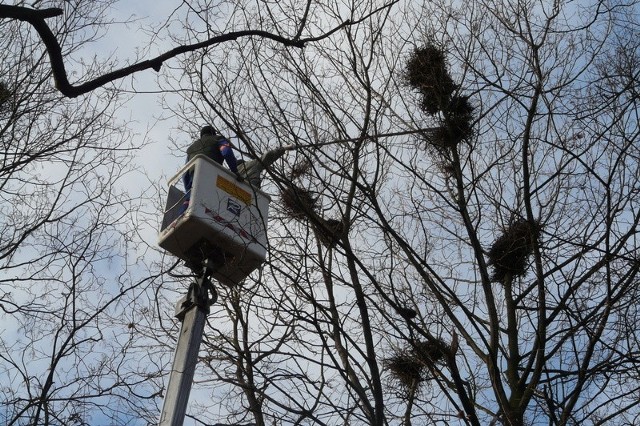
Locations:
column 37, row 19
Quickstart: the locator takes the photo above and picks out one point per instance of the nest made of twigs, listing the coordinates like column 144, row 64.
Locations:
column 510, row 253
column 431, row 352
column 329, row 231
column 446, row 137
column 456, row 124
column 412, row 365
column 5, row 93
column 460, row 107
column 301, row 168
column 458, row 118
column 298, row 202
column 406, row 368
column 427, row 72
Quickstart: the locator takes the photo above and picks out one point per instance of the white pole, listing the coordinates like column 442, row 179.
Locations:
column 192, row 310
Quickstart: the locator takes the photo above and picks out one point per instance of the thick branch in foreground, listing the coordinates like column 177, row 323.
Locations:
column 37, row 19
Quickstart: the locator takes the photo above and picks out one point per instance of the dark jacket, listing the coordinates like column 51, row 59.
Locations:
column 215, row 147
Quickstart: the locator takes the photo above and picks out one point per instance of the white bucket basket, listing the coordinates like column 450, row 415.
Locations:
column 225, row 221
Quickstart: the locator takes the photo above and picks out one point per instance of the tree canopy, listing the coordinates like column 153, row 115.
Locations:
column 464, row 251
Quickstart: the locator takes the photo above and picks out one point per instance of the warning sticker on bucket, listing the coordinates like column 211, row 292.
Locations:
column 232, row 189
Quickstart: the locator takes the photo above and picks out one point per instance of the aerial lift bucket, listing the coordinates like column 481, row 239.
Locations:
column 224, row 223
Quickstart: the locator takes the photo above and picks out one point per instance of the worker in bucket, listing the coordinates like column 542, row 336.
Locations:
column 215, row 146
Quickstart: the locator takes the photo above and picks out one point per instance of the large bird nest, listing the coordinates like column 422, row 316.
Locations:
column 329, row 231
column 457, row 124
column 427, row 72
column 509, row 254
column 298, row 202
column 406, row 369
column 5, row 93
column 300, row 169
column 413, row 365
column 431, row 352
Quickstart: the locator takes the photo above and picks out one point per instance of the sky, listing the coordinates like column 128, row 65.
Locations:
column 143, row 113
column 158, row 160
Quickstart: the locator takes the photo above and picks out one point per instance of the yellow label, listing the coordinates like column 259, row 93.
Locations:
column 234, row 190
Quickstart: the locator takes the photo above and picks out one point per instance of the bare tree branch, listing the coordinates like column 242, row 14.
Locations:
column 37, row 19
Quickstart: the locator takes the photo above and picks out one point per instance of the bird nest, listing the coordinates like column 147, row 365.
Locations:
column 412, row 365
column 431, row 352
column 298, row 202
column 5, row 93
column 329, row 231
column 300, row 169
column 427, row 72
column 406, row 368
column 510, row 253
column 456, row 124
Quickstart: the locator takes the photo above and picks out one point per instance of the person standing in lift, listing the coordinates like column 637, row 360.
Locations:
column 215, row 146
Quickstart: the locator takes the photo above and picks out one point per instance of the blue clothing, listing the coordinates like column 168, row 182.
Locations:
column 216, row 147
column 229, row 157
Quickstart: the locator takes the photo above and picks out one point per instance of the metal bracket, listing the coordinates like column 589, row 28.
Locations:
column 201, row 294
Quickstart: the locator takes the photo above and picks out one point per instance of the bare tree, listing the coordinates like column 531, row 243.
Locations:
column 87, row 339
column 453, row 241
column 482, row 272
column 69, row 291
column 297, row 36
